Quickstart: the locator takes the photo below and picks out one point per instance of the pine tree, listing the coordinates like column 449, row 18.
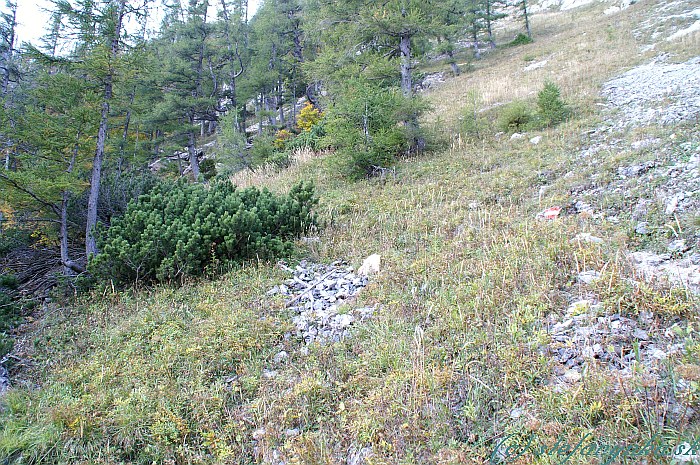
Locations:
column 52, row 145
column 8, row 33
column 234, row 29
column 188, row 80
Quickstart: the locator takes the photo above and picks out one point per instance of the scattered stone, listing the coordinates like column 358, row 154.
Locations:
column 431, row 81
column 640, row 334
column 583, row 207
column 534, row 66
column 4, row 380
column 588, row 277
column 642, row 228
column 644, row 143
column 572, row 376
column 635, row 170
column 358, row 455
column 682, row 272
column 678, row 246
column 672, row 204
column 292, row 432
column 259, row 433
column 517, row 136
column 536, row 140
column 269, row 374
column 516, row 413
column 658, row 354
column 317, row 291
column 280, row 357
column 586, row 237
column 656, row 93
column 370, row 265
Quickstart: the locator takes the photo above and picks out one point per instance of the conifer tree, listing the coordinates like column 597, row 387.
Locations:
column 188, row 80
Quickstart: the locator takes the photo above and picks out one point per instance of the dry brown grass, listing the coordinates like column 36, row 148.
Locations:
column 582, row 51
column 269, row 174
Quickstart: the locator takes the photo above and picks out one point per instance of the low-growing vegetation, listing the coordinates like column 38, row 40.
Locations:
column 178, row 230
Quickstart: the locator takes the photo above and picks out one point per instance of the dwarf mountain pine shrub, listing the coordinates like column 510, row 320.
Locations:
column 179, row 230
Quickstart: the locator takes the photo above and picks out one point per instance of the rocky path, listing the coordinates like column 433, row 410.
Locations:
column 319, row 296
column 662, row 97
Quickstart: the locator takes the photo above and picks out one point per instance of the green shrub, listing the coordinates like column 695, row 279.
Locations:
column 472, row 124
column 208, row 168
column 520, row 39
column 12, row 239
column 551, row 108
column 515, row 117
column 370, row 125
column 311, row 139
column 179, row 230
column 9, row 311
column 263, row 152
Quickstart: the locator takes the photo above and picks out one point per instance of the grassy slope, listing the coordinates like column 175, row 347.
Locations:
column 176, row 376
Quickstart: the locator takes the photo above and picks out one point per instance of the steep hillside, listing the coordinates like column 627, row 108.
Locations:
column 536, row 292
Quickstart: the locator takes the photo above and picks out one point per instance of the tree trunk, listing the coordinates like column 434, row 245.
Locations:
column 475, row 39
column 280, row 103
column 527, row 19
column 271, row 115
column 233, row 74
column 489, row 29
column 311, row 94
column 406, row 77
column 90, row 242
column 10, row 49
column 69, row 267
column 453, row 63
column 192, row 151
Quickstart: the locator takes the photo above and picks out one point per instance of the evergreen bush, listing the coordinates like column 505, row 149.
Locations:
column 369, row 125
column 551, row 108
column 9, row 311
column 311, row 139
column 521, row 39
column 179, row 230
column 264, row 152
column 515, row 117
column 208, row 168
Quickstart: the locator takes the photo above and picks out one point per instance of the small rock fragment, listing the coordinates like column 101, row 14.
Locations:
column 678, row 246
column 642, row 228
column 640, row 334
column 587, row 237
column 281, row 357
column 370, row 265
column 572, row 376
column 588, row 277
